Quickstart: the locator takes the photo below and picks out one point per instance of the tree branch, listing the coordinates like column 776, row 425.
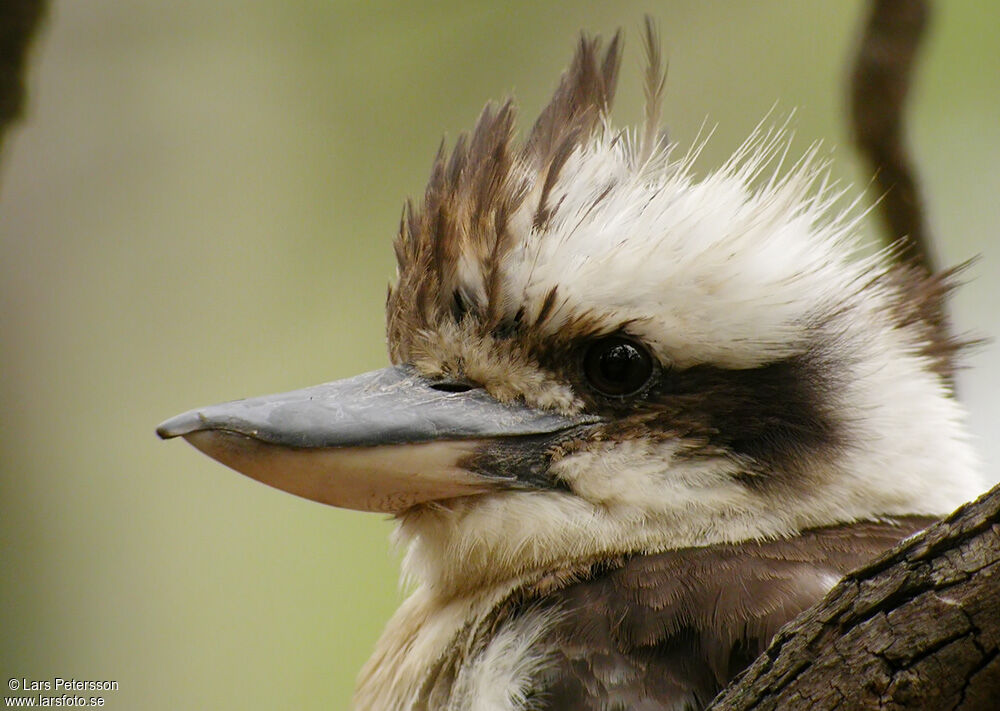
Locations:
column 918, row 628
column 19, row 19
column 880, row 84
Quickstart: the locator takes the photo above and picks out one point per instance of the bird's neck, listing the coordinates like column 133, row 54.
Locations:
column 422, row 640
column 443, row 649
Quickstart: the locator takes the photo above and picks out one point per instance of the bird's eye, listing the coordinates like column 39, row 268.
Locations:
column 617, row 367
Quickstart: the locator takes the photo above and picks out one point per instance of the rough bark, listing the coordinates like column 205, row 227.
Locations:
column 19, row 19
column 919, row 628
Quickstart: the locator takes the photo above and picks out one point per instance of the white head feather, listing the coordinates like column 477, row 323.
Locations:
column 594, row 233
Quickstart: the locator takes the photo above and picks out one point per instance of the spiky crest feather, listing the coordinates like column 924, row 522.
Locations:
column 490, row 197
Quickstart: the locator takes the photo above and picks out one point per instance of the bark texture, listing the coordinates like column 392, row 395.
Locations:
column 918, row 628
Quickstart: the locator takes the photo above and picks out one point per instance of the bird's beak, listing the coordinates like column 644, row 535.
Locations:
column 383, row 441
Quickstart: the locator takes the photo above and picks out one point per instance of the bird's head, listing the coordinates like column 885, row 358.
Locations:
column 596, row 354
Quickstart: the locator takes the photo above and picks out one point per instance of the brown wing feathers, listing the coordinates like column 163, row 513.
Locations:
column 670, row 630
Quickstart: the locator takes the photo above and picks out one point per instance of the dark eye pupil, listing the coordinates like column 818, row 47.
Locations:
column 617, row 361
column 616, row 366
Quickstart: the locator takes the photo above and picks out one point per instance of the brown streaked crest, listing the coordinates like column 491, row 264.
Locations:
column 450, row 249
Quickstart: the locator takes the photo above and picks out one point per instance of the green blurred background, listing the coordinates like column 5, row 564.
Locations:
column 200, row 207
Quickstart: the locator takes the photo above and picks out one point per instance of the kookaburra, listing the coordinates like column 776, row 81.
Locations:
column 635, row 421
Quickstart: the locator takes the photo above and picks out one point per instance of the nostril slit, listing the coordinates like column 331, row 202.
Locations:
column 452, row 387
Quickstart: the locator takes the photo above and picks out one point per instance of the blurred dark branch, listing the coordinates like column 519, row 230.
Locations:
column 880, row 83
column 19, row 19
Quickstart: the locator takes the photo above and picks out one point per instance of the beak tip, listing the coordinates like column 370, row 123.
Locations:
column 180, row 425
